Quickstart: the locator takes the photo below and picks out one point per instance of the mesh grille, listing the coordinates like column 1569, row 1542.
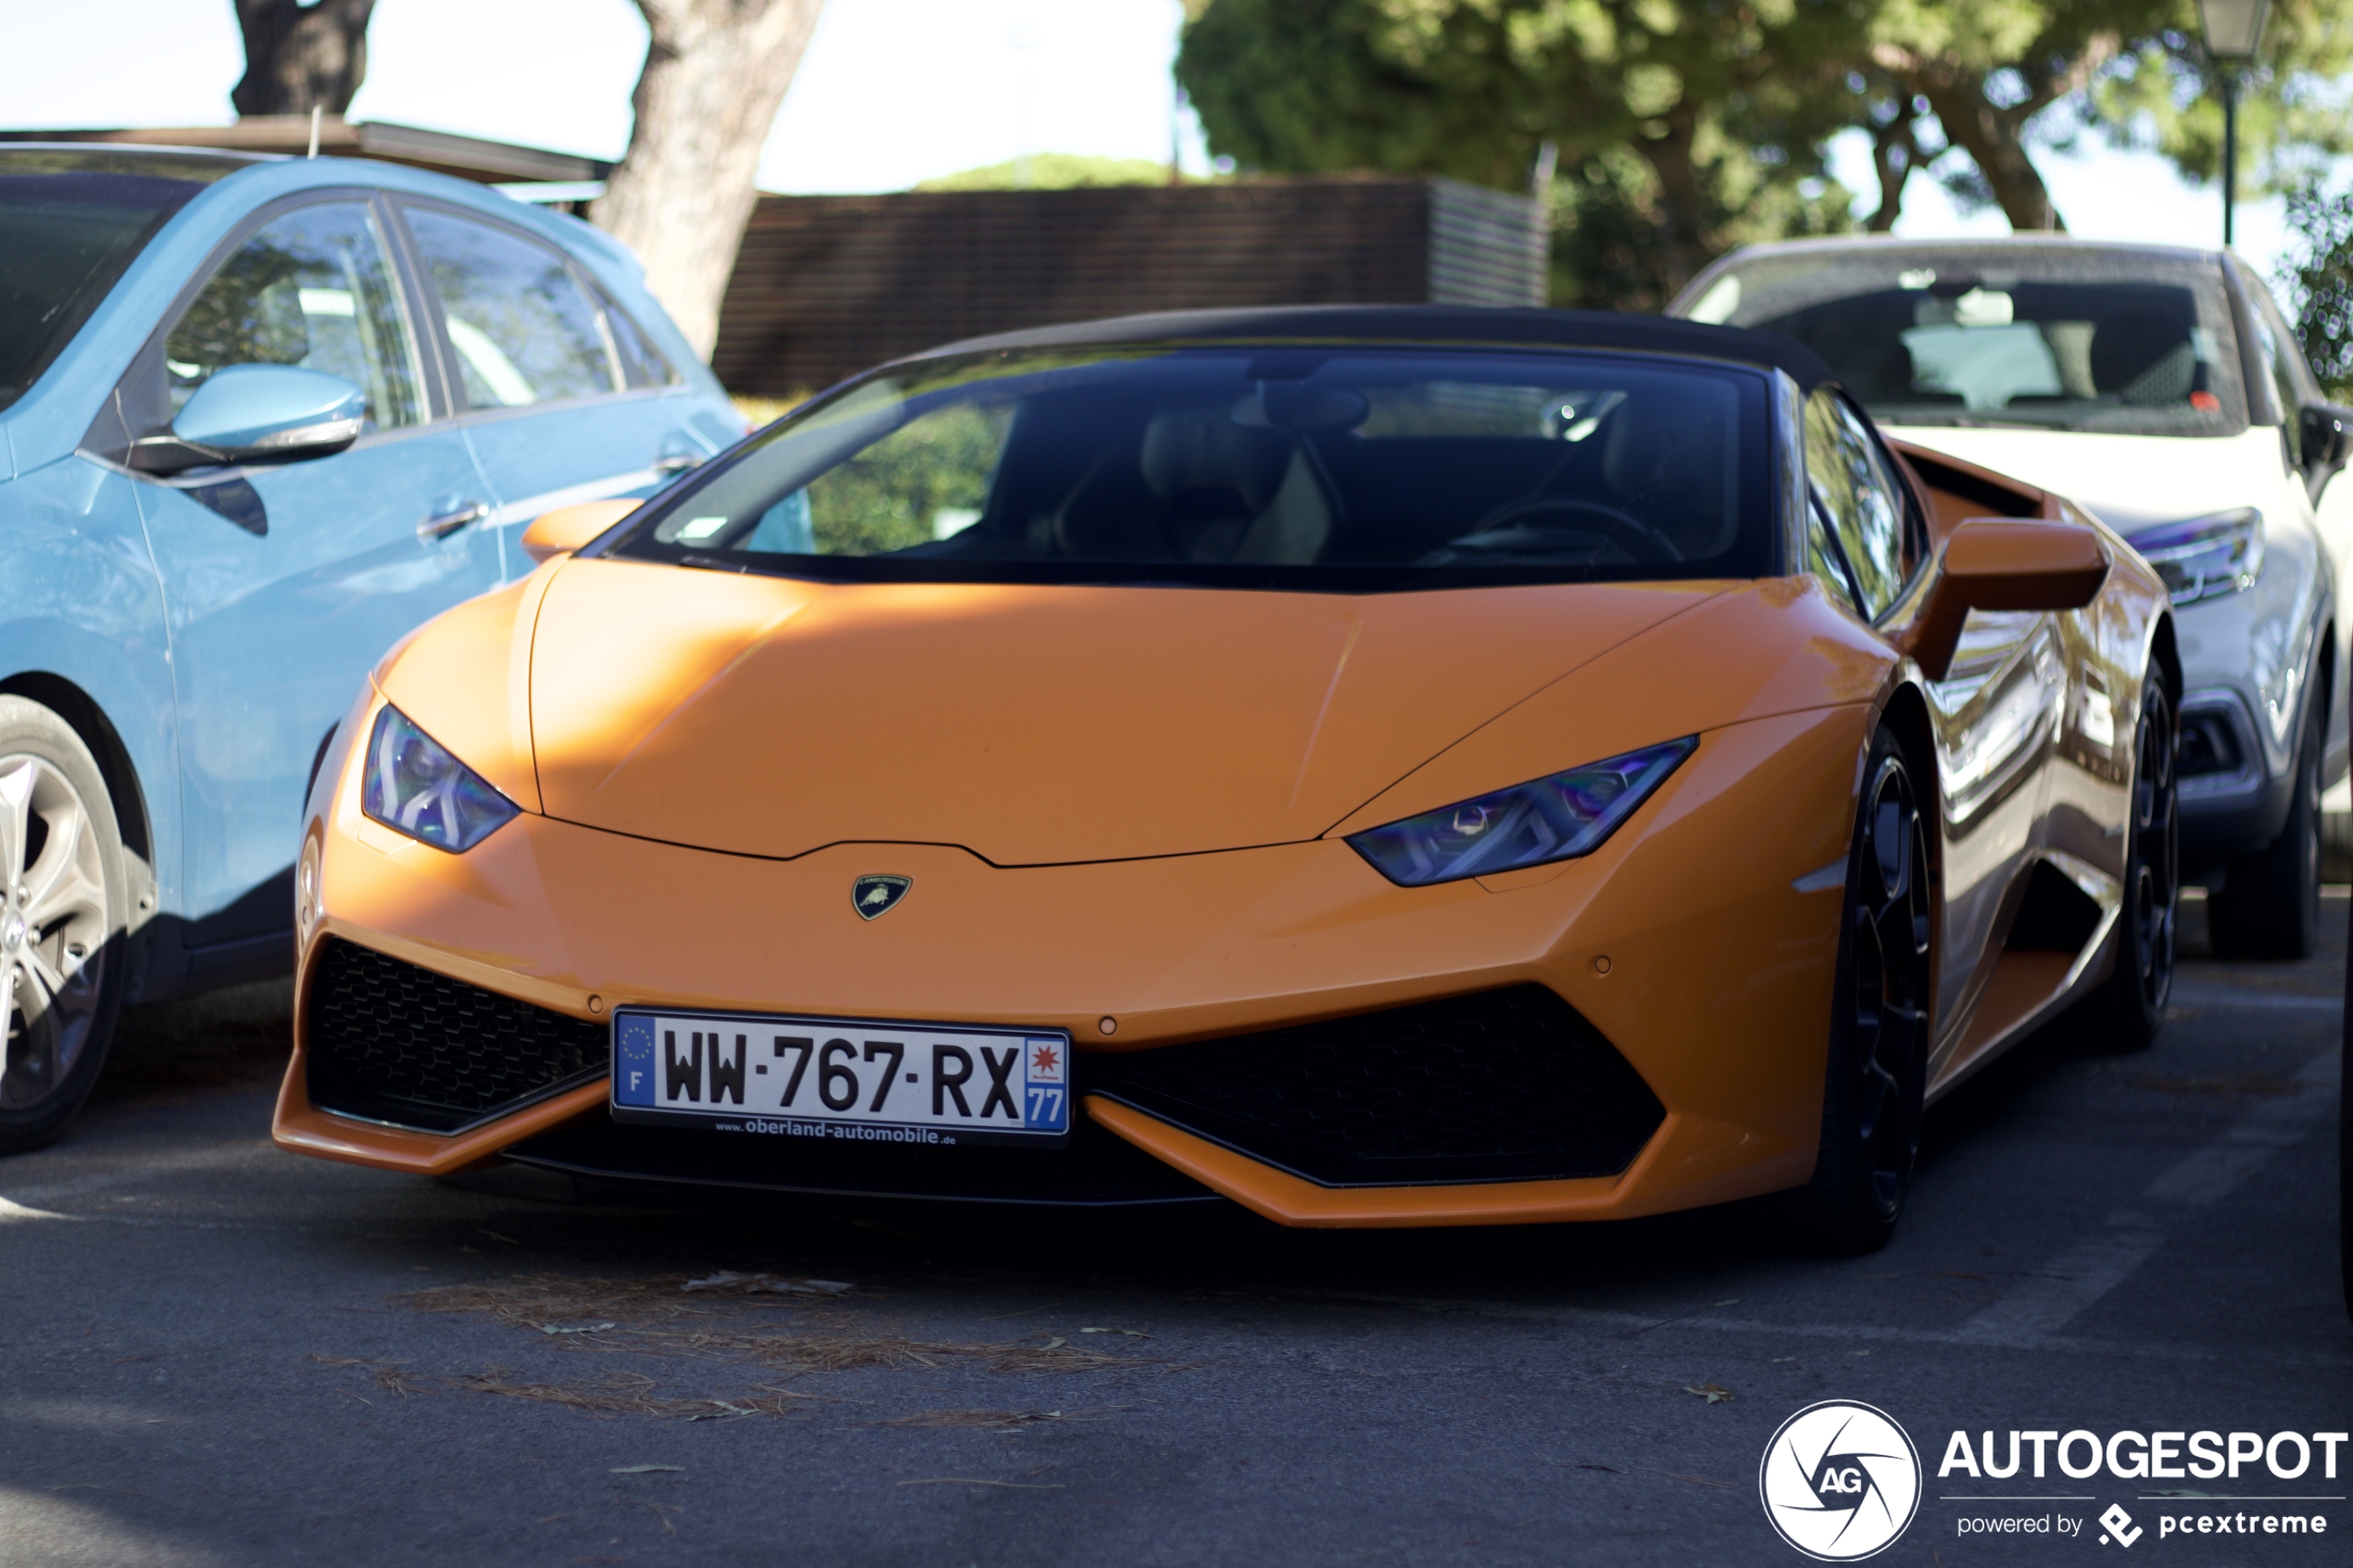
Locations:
column 391, row 1042
column 1504, row 1085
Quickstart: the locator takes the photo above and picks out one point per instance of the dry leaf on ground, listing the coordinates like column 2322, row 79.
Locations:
column 617, row 1394
column 727, row 1279
column 649, row 1316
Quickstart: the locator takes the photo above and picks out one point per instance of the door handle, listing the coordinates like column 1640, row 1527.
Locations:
column 450, row 514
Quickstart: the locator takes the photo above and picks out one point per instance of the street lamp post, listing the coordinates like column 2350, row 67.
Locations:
column 2234, row 30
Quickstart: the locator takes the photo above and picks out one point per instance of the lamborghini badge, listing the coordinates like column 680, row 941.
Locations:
column 872, row 896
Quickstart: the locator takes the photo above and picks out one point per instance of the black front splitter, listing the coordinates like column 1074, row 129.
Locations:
column 1096, row 1169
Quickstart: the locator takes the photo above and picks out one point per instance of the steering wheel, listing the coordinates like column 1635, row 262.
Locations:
column 1637, row 540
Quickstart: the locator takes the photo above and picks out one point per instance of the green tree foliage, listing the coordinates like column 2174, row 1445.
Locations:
column 1686, row 126
column 915, row 485
column 2162, row 92
column 1985, row 73
column 1606, row 254
column 1983, row 70
column 1723, row 104
column 2320, row 284
column 1052, row 171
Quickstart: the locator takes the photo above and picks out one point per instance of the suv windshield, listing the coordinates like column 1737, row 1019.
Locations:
column 73, row 220
column 2063, row 338
column 1350, row 469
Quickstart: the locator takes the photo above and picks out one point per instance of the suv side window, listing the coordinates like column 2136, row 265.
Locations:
column 520, row 325
column 313, row 288
column 2293, row 379
column 1858, row 505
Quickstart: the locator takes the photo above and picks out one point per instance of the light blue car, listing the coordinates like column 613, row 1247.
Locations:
column 258, row 418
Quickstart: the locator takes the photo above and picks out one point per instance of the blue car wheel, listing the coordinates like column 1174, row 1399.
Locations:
column 62, row 911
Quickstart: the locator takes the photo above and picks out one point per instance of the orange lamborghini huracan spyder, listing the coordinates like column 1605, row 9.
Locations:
column 1381, row 766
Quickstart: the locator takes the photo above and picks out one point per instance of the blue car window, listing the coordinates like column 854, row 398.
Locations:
column 641, row 363
column 71, row 222
column 522, row 327
column 314, row 289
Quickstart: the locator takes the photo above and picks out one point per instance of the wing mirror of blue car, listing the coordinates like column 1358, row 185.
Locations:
column 1994, row 563
column 568, row 529
column 258, row 413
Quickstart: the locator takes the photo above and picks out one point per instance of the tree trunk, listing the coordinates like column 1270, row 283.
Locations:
column 301, row 57
column 714, row 76
column 1682, row 204
column 1991, row 136
column 1895, row 152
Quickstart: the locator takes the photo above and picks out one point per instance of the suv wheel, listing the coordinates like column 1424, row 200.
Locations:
column 2270, row 905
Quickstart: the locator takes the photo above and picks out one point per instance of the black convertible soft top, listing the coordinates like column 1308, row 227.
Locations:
column 1488, row 326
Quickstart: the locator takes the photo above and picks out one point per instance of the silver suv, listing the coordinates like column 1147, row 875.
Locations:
column 2161, row 388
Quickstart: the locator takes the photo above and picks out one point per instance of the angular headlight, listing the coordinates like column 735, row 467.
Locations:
column 2204, row 558
column 1551, row 819
column 415, row 787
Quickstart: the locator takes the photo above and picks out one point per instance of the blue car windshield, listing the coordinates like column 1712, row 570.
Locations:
column 71, row 221
column 1313, row 467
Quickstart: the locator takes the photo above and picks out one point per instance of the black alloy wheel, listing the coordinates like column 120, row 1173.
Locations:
column 2270, row 903
column 2129, row 1008
column 1877, row 1070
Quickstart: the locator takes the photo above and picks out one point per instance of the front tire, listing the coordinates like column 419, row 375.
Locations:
column 63, row 904
column 2129, row 1008
column 1878, row 1071
column 2270, row 905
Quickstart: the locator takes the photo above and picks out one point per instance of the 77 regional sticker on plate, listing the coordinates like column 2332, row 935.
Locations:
column 844, row 1079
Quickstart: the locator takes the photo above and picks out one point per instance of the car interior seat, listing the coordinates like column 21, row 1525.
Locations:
column 1668, row 465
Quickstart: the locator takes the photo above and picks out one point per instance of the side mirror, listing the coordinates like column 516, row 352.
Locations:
column 1996, row 564
column 2325, row 434
column 250, row 413
column 566, row 529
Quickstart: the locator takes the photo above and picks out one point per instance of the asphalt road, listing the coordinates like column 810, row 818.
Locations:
column 211, row 1353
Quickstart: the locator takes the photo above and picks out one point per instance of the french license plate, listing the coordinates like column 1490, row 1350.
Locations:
column 844, row 1079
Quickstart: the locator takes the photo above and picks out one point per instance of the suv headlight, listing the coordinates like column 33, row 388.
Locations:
column 2204, row 558
column 414, row 787
column 1555, row 818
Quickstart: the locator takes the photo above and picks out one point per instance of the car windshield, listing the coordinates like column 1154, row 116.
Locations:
column 1348, row 470
column 71, row 222
column 2047, row 335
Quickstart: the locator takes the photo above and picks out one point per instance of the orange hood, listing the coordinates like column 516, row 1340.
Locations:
column 1031, row 725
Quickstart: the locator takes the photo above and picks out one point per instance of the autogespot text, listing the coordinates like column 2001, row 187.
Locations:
column 2153, row 1456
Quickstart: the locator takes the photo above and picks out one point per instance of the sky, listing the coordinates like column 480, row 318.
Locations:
column 891, row 91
